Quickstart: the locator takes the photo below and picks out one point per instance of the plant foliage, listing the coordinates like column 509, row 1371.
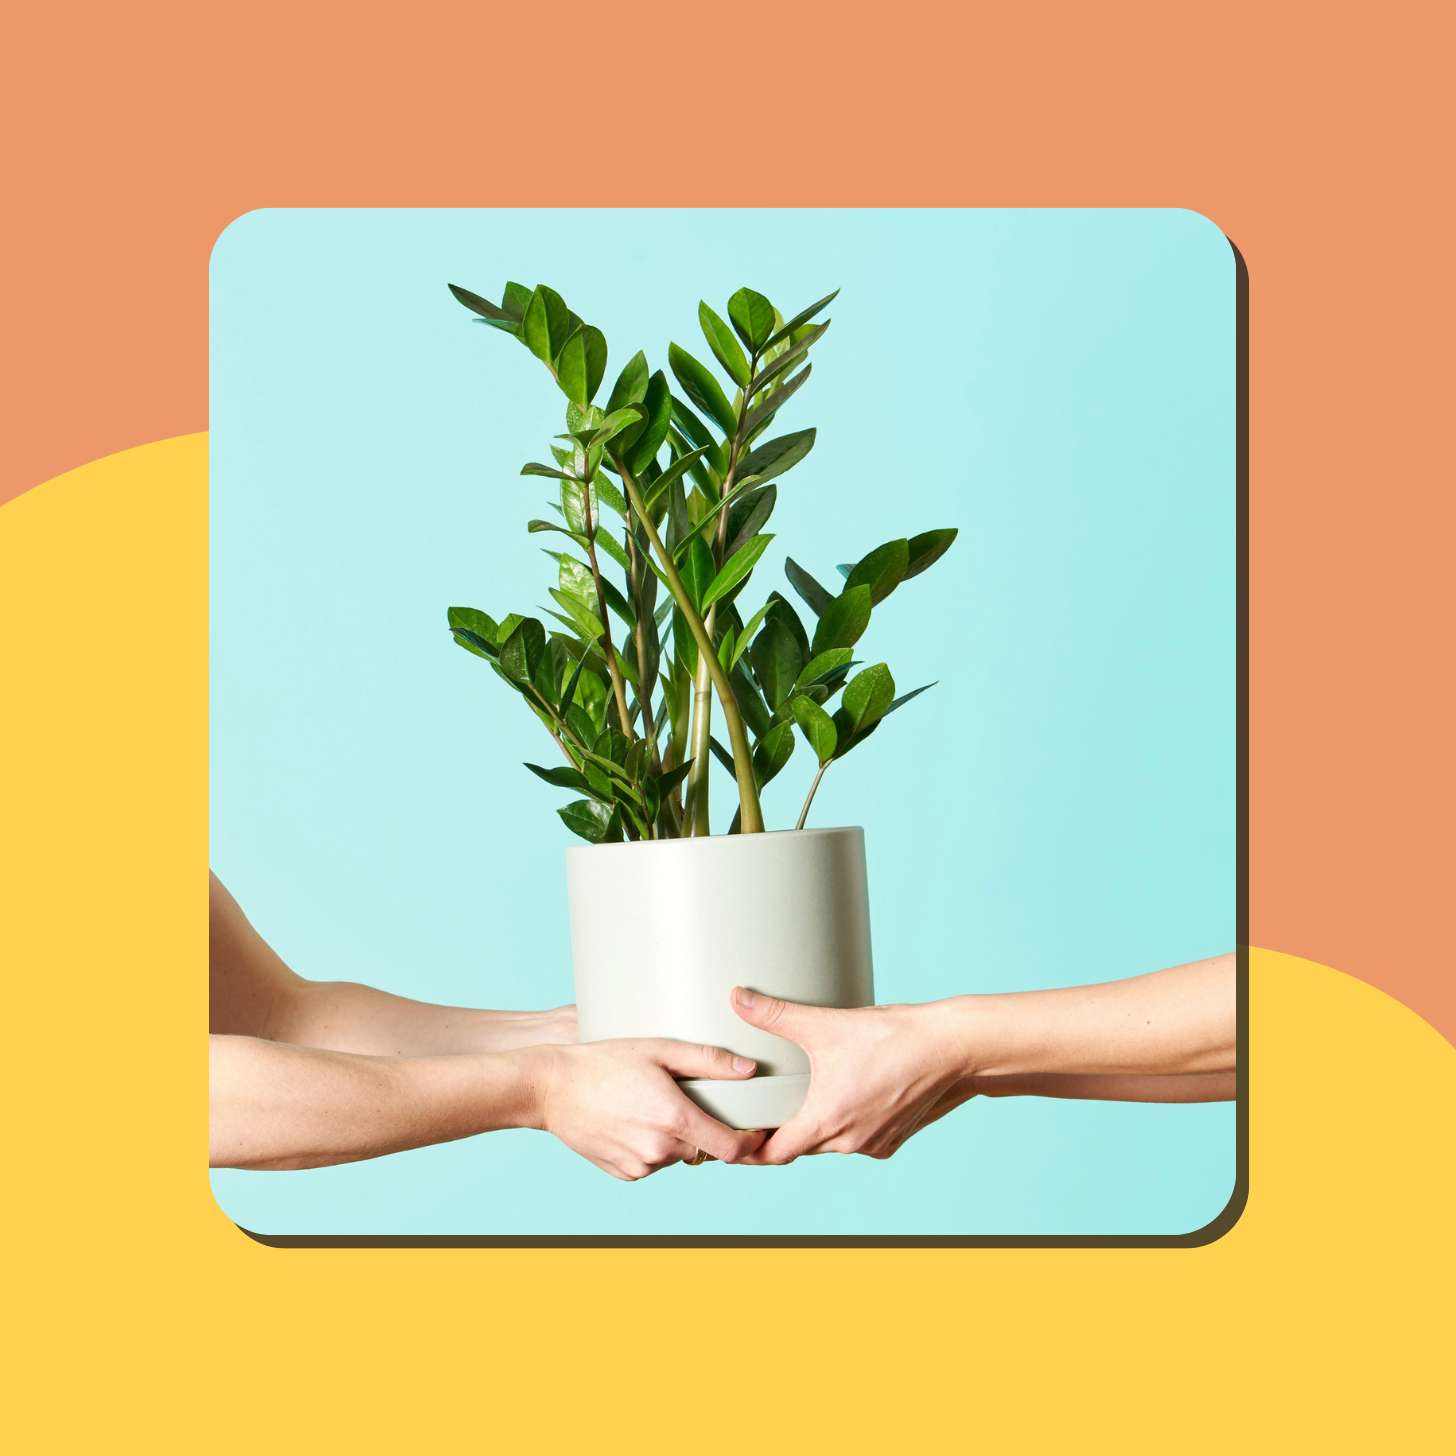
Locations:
column 655, row 522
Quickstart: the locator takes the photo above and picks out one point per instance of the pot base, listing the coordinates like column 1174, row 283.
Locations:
column 760, row 1102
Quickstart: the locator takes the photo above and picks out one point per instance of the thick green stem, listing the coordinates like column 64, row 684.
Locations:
column 702, row 702
column 751, row 816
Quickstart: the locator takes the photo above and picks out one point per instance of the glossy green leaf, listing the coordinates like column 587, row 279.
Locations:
column 514, row 299
column 581, row 364
column 906, row 697
column 781, row 609
column 490, row 312
column 821, row 666
column 586, row 620
column 772, row 752
column 473, row 642
column 843, row 621
column 640, row 445
column 927, row 548
column 800, row 319
column 775, row 457
column 725, row 347
column 748, row 516
column 588, row 819
column 786, row 360
column 468, row 619
column 521, row 651
column 631, row 385
column 546, row 324
column 702, row 388
column 614, row 423
column 816, row 725
column 562, row 777
column 755, row 711
column 753, row 317
column 776, row 660
column 674, row 472
column 814, row 595
column 735, row 569
column 722, row 755
column 698, row 570
column 746, row 635
column 769, row 403
column 882, row 570
column 534, row 467
column 867, row 697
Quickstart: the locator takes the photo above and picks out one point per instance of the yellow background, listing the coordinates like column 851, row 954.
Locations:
column 137, row 1313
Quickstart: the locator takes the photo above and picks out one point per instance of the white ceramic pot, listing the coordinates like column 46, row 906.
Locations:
column 662, row 930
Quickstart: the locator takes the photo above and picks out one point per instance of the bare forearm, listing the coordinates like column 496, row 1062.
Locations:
column 346, row 1017
column 276, row 1106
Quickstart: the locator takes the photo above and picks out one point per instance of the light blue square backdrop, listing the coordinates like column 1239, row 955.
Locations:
column 1061, row 808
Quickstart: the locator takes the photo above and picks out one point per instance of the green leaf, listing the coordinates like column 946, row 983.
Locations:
column 674, row 472
column 724, row 346
column 722, row 755
column 788, row 357
column 770, row 402
column 822, row 665
column 814, row 595
column 816, row 725
column 927, row 548
column 546, row 324
column 755, row 711
column 753, row 317
column 781, row 609
column 639, row 449
column 772, row 752
column 521, row 651
column 843, row 621
column 698, row 570
column 589, row 819
column 747, row 517
column 586, row 620
column 715, row 461
column 489, row 311
column 536, row 468
column 631, row 385
column 867, row 698
column 473, row 642
column 882, row 570
column 614, row 423
column 514, row 299
column 573, row 504
column 905, row 698
column 700, row 387
column 776, row 660
column 735, row 569
column 749, row 629
column 776, row 457
column 468, row 619
column 801, row 318
column 581, row 364
column 562, row 777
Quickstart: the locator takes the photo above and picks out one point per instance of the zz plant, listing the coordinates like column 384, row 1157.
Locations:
column 662, row 496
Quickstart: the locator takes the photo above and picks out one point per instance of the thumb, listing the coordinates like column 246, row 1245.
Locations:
column 770, row 1013
column 686, row 1059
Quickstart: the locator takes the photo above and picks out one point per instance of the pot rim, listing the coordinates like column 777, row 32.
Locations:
column 713, row 839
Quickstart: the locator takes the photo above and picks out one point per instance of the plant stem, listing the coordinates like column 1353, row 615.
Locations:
column 619, row 691
column 702, row 701
column 804, row 812
column 752, row 814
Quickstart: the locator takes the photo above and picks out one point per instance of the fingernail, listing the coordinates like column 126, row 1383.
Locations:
column 743, row 996
column 742, row 1064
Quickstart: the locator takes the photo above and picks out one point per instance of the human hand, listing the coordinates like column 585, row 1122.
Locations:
column 878, row 1074
column 616, row 1103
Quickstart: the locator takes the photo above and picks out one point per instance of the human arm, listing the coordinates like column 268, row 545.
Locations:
column 275, row 1106
column 254, row 993
column 880, row 1074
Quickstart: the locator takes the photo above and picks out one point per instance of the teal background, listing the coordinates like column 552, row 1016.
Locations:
column 1060, row 809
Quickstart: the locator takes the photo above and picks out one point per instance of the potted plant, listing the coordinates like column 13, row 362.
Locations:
column 661, row 497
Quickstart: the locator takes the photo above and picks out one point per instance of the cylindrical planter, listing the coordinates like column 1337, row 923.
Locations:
column 662, row 930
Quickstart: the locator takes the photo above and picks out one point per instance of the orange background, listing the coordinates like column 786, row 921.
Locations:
column 1309, row 133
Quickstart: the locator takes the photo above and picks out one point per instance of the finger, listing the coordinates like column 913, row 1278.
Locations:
column 770, row 1013
column 796, row 1137
column 727, row 1144
column 686, row 1059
